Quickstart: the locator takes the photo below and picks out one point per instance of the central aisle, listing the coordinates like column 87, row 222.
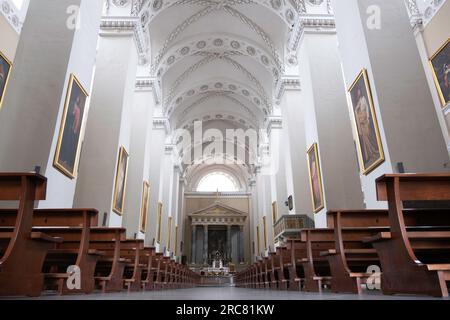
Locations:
column 229, row 293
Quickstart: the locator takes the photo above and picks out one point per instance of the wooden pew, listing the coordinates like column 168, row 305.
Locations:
column 415, row 259
column 315, row 266
column 295, row 255
column 350, row 258
column 261, row 278
column 148, row 258
column 159, row 269
column 131, row 251
column 281, row 266
column 266, row 271
column 273, row 265
column 110, row 267
column 22, row 251
column 74, row 227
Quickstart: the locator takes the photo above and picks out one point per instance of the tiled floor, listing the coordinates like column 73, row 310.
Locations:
column 230, row 293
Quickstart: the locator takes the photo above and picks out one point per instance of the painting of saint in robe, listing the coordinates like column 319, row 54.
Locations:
column 315, row 179
column 5, row 70
column 370, row 148
column 144, row 206
column 121, row 180
column 70, row 139
column 440, row 64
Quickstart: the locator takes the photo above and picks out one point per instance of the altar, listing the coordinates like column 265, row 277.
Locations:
column 217, row 228
column 217, row 268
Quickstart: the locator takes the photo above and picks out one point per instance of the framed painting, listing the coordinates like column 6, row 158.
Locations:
column 169, row 233
column 68, row 149
column 5, row 72
column 440, row 66
column 265, row 232
column 176, row 241
column 370, row 148
column 144, row 206
column 158, row 233
column 121, row 181
column 258, row 240
column 315, row 179
column 274, row 212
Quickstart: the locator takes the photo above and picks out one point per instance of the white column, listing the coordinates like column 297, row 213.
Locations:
column 181, row 222
column 386, row 47
column 109, row 127
column 324, row 108
column 256, row 209
column 138, row 169
column 50, row 49
column 278, row 178
column 174, row 203
column 160, row 129
column 166, row 192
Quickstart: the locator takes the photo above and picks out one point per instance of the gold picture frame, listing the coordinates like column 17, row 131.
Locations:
column 5, row 63
column 265, row 232
column 176, row 240
column 369, row 145
column 144, row 206
column 274, row 212
column 315, row 179
column 440, row 68
column 169, row 233
column 70, row 138
column 120, row 184
column 158, row 231
column 258, row 240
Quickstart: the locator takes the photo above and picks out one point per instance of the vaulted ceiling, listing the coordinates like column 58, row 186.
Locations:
column 222, row 61
column 219, row 59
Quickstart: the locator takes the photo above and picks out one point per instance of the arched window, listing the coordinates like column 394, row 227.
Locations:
column 217, row 181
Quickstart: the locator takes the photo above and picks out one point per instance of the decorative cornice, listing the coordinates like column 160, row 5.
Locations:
column 161, row 123
column 287, row 83
column 149, row 84
column 274, row 122
column 116, row 25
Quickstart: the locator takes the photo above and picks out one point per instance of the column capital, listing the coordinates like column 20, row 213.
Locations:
column 149, row 84
column 288, row 83
column 161, row 123
column 274, row 122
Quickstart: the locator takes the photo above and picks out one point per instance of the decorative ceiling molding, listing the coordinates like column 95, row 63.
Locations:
column 422, row 12
column 206, row 117
column 203, row 13
column 219, row 85
column 285, row 10
column 213, row 95
column 14, row 16
column 224, row 43
column 210, row 58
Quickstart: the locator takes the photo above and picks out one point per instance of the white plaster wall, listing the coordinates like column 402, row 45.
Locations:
column 108, row 126
column 60, row 188
column 355, row 56
column 330, row 124
column 156, row 153
column 294, row 101
column 310, row 126
column 138, row 169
